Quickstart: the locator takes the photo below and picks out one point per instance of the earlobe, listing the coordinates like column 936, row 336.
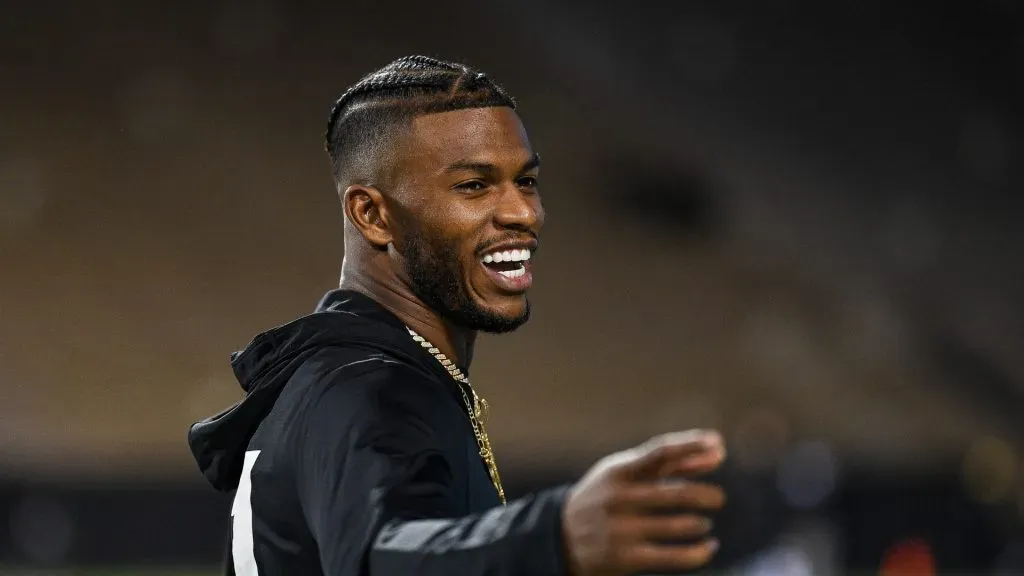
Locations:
column 365, row 208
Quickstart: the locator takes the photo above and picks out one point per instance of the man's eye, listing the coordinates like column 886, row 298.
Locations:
column 528, row 182
column 472, row 185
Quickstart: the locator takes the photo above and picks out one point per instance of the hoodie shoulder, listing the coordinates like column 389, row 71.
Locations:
column 351, row 341
column 371, row 395
column 388, row 408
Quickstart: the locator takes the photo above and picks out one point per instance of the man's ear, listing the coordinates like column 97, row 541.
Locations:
column 365, row 208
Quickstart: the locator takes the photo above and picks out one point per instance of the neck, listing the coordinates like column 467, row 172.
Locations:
column 453, row 341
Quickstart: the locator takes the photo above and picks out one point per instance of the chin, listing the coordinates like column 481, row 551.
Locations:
column 500, row 319
column 508, row 306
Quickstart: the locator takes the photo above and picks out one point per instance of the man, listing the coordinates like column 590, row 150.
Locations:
column 360, row 447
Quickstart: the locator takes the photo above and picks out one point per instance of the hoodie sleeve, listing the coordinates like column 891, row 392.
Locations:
column 378, row 493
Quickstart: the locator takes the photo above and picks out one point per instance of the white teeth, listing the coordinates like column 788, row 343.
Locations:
column 507, row 256
column 513, row 273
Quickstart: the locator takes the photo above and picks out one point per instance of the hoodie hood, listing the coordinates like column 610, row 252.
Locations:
column 265, row 366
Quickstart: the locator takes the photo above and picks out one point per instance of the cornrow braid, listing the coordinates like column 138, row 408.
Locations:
column 380, row 81
column 417, row 61
column 404, row 88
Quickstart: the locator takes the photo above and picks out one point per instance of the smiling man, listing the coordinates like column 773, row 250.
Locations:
column 360, row 447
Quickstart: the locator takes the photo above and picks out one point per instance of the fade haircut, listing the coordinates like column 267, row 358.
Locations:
column 367, row 117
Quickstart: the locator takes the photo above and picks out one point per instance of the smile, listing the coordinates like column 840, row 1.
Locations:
column 508, row 263
column 510, row 269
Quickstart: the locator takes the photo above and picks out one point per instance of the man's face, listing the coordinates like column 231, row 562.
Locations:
column 470, row 216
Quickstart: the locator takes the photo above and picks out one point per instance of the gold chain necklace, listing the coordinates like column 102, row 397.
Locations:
column 477, row 410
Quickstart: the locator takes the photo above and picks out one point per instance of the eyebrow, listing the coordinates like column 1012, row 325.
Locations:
column 486, row 168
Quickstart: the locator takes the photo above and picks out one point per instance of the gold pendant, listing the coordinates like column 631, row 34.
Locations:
column 492, row 470
column 478, row 410
column 483, row 410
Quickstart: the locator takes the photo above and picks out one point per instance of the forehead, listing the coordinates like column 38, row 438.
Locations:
column 490, row 135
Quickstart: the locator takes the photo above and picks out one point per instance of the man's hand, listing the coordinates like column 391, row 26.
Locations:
column 631, row 510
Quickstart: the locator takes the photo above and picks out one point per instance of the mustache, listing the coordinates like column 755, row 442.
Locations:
column 521, row 237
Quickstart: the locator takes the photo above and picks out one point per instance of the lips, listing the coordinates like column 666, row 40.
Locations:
column 509, row 267
column 513, row 281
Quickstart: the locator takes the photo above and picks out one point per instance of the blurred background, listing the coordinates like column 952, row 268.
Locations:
column 798, row 222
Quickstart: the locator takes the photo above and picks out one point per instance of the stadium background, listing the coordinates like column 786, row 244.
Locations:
column 794, row 221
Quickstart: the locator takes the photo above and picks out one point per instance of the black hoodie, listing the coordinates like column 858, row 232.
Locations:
column 351, row 454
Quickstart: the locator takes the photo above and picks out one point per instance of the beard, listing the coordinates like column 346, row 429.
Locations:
column 435, row 273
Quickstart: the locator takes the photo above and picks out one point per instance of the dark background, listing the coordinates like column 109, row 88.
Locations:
column 795, row 221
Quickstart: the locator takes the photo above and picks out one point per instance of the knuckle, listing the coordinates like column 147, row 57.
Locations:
column 656, row 447
column 690, row 524
column 685, row 494
column 610, row 463
column 703, row 495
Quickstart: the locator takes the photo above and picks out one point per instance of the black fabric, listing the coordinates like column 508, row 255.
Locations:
column 363, row 460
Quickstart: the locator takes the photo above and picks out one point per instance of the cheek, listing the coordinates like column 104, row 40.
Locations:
column 457, row 229
column 453, row 252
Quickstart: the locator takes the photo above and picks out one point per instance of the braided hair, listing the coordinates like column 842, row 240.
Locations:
column 361, row 119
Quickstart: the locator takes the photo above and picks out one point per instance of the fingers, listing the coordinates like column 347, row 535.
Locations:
column 690, row 495
column 695, row 465
column 625, row 492
column 669, row 451
column 665, row 528
column 656, row 558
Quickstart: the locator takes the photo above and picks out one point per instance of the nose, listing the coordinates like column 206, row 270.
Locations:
column 519, row 209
